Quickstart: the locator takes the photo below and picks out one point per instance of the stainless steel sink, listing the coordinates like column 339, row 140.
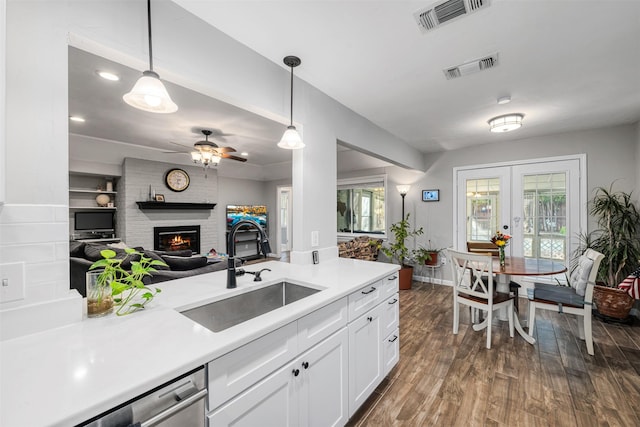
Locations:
column 229, row 312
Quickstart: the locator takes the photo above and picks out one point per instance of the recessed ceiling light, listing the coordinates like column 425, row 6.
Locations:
column 244, row 153
column 108, row 76
column 76, row 119
column 504, row 100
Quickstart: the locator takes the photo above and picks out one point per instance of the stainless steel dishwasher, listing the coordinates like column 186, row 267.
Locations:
column 178, row 403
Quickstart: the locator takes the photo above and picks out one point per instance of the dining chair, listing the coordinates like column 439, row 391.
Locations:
column 575, row 299
column 470, row 289
column 491, row 248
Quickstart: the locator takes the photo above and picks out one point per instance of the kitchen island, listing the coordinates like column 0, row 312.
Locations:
column 67, row 375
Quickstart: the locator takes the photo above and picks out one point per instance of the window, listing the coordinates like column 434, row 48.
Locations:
column 361, row 205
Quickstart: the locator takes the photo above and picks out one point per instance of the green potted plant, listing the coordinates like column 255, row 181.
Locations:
column 398, row 252
column 427, row 255
column 128, row 291
column 618, row 239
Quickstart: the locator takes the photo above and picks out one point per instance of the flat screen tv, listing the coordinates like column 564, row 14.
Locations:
column 94, row 221
column 236, row 213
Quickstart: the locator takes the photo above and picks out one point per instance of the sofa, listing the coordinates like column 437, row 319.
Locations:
column 179, row 263
column 361, row 247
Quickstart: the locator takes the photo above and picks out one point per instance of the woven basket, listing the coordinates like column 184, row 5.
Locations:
column 612, row 302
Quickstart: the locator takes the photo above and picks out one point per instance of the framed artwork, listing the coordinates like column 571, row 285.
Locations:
column 159, row 197
column 430, row 195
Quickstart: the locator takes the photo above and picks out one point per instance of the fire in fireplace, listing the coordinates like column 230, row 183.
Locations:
column 177, row 238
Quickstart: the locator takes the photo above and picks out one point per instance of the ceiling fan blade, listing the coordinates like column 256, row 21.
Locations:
column 174, row 152
column 226, row 150
column 229, row 156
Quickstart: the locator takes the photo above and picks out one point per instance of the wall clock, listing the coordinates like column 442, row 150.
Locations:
column 177, row 180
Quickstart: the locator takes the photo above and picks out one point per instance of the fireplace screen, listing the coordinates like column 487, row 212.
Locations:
column 177, row 238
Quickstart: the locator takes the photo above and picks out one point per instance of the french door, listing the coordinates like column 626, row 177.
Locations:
column 540, row 203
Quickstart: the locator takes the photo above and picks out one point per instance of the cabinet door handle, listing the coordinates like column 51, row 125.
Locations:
column 296, row 372
column 394, row 301
column 369, row 291
column 305, row 365
column 395, row 337
column 370, row 319
column 392, row 278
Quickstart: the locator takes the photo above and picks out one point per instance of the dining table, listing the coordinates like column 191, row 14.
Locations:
column 520, row 266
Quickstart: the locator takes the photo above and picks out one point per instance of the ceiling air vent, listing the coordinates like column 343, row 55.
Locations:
column 445, row 11
column 473, row 66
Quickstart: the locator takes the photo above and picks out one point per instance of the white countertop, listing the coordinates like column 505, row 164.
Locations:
column 65, row 376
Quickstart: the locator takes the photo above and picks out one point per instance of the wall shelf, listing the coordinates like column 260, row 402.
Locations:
column 175, row 205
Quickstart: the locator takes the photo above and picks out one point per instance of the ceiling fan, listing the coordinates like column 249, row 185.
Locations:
column 209, row 153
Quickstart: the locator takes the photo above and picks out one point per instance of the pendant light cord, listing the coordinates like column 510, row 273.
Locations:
column 149, row 26
column 291, row 109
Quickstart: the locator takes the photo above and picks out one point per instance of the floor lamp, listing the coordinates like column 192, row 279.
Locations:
column 403, row 190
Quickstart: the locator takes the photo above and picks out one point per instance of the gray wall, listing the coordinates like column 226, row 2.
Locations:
column 136, row 225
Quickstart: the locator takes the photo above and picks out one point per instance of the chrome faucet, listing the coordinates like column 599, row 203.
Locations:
column 265, row 248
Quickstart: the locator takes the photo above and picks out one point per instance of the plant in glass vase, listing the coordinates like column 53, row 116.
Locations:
column 501, row 240
column 129, row 292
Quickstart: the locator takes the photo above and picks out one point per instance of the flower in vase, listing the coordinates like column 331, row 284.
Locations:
column 500, row 239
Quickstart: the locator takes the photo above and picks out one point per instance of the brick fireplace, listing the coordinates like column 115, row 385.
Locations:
column 175, row 238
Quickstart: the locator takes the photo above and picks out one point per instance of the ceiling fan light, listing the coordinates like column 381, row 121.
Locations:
column 505, row 123
column 196, row 156
column 149, row 94
column 291, row 139
column 215, row 160
column 207, row 156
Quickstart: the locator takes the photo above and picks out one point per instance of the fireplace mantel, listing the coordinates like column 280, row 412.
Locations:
column 175, row 205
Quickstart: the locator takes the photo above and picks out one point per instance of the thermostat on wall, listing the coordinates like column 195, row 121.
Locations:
column 430, row 195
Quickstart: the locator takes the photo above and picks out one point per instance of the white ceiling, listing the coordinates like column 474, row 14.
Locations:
column 567, row 65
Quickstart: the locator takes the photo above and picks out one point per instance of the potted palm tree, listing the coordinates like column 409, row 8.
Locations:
column 618, row 239
column 398, row 252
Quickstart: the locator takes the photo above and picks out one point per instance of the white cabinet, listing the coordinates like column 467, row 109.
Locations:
column 365, row 357
column 309, row 391
column 295, row 375
column 373, row 338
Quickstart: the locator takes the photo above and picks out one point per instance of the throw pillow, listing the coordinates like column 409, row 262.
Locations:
column 92, row 253
column 155, row 256
column 76, row 249
column 180, row 263
column 580, row 275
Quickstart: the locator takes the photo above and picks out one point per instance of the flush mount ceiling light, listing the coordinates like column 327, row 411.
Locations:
column 291, row 139
column 504, row 100
column 149, row 94
column 505, row 123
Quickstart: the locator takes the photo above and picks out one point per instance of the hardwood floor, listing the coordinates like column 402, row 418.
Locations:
column 453, row 380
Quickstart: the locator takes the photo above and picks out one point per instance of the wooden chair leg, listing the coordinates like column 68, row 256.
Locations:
column 511, row 325
column 456, row 317
column 588, row 333
column 489, row 321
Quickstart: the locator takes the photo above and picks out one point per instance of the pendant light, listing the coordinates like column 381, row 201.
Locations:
column 291, row 139
column 149, row 94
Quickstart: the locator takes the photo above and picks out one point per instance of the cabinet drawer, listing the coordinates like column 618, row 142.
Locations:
column 364, row 299
column 390, row 352
column 389, row 285
column 390, row 314
column 320, row 324
column 235, row 371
